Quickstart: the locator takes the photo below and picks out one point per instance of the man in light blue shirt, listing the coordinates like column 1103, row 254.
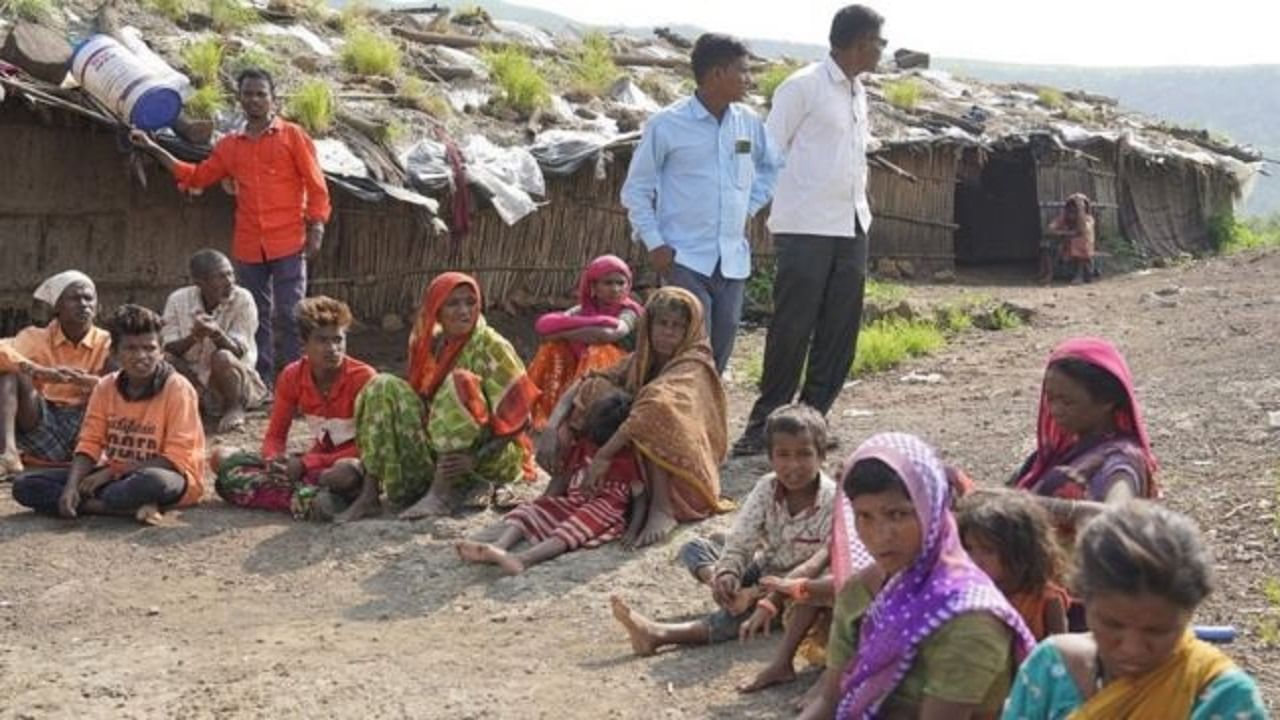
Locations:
column 703, row 167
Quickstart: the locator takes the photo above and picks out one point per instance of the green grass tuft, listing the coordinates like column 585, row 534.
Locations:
column 522, row 88
column 772, row 77
column 904, row 94
column 174, row 11
column 252, row 57
column 1051, row 98
column 36, row 11
column 879, row 291
column 416, row 92
column 885, row 344
column 313, row 106
column 368, row 52
column 954, row 319
column 1002, row 318
column 230, row 16
column 1229, row 235
column 205, row 103
column 203, row 59
column 591, row 70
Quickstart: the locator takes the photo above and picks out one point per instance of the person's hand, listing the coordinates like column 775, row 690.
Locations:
column 69, row 501
column 93, row 481
column 315, row 240
column 661, row 258
column 142, row 140
column 43, row 374
column 781, row 585
column 758, row 624
column 454, row 466
column 724, row 587
column 596, row 473
column 79, row 378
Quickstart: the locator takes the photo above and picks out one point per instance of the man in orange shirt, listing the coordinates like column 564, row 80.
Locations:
column 141, row 447
column 46, row 374
column 280, row 190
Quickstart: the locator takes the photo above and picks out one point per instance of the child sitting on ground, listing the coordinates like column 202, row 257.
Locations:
column 782, row 526
column 1010, row 537
column 572, row 513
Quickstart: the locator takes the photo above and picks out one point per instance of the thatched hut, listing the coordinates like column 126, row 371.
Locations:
column 969, row 175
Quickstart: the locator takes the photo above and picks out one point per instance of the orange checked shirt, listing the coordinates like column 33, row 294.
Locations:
column 279, row 184
column 48, row 347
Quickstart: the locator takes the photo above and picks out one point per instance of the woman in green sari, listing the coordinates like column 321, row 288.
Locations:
column 458, row 421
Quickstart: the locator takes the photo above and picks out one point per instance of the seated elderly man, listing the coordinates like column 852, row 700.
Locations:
column 209, row 337
column 47, row 373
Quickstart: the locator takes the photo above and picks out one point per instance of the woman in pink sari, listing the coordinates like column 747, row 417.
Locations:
column 1092, row 447
column 586, row 337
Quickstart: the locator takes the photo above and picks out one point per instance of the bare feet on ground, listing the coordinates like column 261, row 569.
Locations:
column 484, row 553
column 743, row 600
column 639, row 628
column 231, row 421
column 658, row 527
column 434, row 504
column 768, row 677
column 365, row 505
column 10, row 465
column 151, row 515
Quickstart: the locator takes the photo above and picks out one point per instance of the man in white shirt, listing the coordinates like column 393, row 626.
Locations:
column 819, row 220
column 209, row 337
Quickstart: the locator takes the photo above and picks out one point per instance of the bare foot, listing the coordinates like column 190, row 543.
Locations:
column 657, row 527
column 469, row 550
column 231, row 421
column 639, row 628
column 434, row 504
column 768, row 677
column 151, row 515
column 10, row 465
column 365, row 505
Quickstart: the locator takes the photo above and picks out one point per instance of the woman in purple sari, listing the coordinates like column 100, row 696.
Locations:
column 922, row 632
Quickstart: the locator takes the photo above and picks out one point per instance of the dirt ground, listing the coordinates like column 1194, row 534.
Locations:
column 240, row 614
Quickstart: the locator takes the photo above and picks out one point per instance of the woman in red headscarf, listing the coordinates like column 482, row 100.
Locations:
column 587, row 336
column 457, row 421
column 1091, row 444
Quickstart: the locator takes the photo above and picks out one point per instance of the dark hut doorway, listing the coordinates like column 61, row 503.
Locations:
column 997, row 209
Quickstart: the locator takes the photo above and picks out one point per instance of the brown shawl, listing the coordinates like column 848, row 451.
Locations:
column 679, row 418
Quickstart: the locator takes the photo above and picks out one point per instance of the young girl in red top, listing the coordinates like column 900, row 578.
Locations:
column 1009, row 536
column 321, row 387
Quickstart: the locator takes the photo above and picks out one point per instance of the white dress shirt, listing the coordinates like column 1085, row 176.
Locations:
column 820, row 123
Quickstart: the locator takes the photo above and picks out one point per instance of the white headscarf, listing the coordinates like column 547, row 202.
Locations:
column 50, row 290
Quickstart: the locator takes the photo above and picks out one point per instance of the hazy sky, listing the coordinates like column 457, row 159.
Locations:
column 1084, row 32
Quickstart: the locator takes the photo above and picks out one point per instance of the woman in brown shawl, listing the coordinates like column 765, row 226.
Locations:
column 677, row 428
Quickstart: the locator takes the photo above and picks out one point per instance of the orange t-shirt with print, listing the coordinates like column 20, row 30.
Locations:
column 124, row 433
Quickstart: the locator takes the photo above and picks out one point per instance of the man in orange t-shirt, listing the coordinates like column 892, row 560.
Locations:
column 46, row 374
column 280, row 189
column 141, row 446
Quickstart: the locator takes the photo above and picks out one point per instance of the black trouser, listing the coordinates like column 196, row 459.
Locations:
column 41, row 489
column 817, row 310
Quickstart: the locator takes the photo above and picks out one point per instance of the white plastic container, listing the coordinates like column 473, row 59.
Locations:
column 125, row 83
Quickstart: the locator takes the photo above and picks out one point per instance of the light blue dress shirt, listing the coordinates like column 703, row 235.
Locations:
column 694, row 182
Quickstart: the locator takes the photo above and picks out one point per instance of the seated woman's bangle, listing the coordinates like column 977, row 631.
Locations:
column 801, row 592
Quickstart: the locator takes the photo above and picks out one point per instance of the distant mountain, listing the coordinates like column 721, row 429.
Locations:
column 1242, row 103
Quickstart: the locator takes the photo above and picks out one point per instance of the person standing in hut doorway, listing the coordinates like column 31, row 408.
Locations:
column 282, row 204
column 819, row 220
column 703, row 167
